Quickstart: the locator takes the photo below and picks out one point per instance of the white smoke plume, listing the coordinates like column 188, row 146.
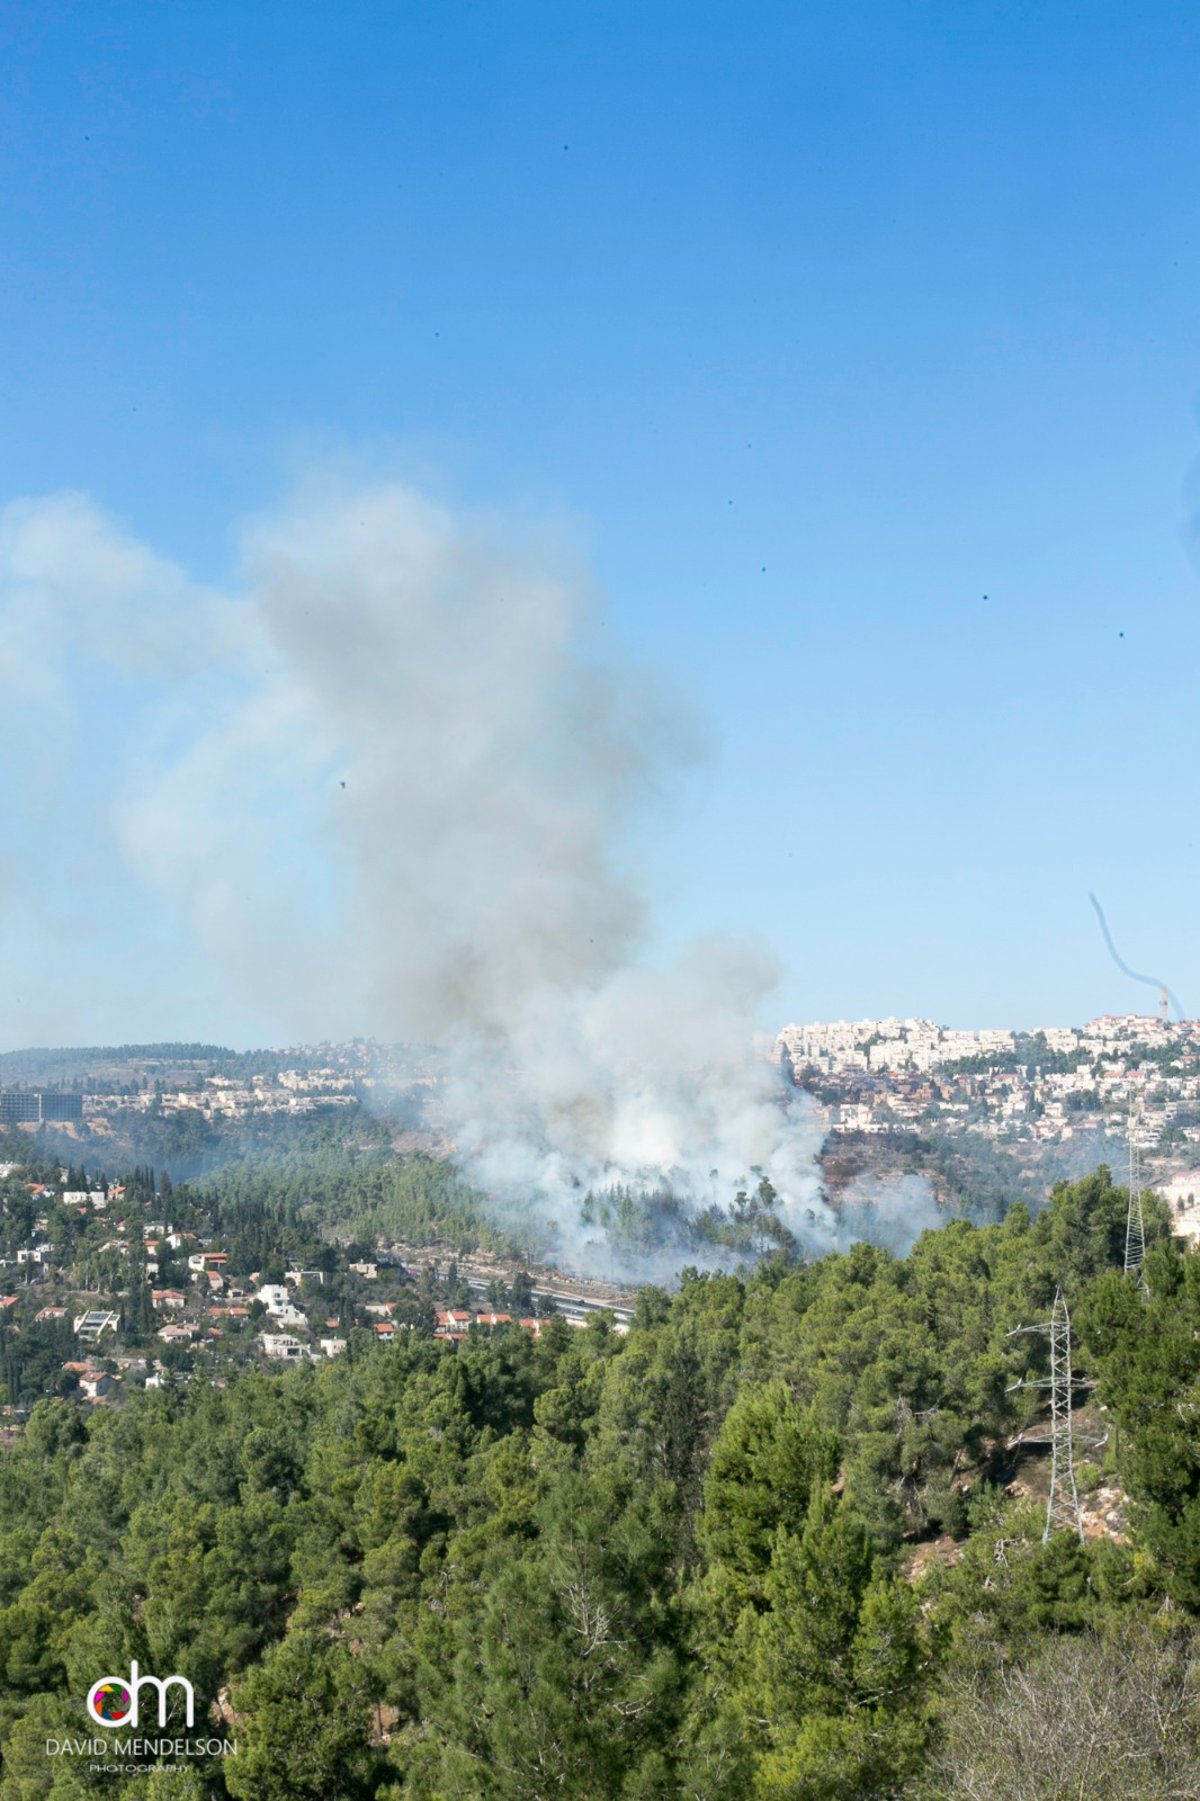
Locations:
column 393, row 787
column 891, row 1210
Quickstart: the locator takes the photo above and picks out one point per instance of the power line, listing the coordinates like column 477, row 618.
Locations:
column 1062, row 1505
column 1135, row 1222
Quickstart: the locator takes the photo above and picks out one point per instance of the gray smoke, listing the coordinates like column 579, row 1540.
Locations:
column 890, row 1210
column 393, row 786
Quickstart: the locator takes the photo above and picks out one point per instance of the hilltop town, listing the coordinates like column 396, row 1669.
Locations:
column 1033, row 1095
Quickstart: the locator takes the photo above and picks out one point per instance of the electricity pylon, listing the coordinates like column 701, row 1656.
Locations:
column 1062, row 1506
column 1135, row 1223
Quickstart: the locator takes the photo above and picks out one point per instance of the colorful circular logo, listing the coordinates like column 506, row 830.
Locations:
column 111, row 1702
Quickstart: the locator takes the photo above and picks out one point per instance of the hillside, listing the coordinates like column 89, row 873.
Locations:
column 769, row 1543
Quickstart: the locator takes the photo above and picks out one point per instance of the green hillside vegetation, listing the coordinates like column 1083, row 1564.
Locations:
column 678, row 1563
column 368, row 1194
column 192, row 1146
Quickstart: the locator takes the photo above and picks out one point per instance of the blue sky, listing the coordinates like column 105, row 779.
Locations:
column 857, row 345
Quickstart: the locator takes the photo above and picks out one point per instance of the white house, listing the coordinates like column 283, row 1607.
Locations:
column 278, row 1303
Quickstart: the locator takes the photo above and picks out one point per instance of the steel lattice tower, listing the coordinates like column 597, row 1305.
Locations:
column 1135, row 1224
column 1062, row 1506
column 1062, row 1509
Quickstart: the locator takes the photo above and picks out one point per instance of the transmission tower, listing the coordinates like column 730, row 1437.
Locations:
column 1062, row 1506
column 1135, row 1223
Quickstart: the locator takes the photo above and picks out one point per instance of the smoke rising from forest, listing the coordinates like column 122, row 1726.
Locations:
column 392, row 785
column 891, row 1209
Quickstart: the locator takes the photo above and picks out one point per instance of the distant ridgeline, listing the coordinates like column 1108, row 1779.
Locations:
column 70, row 1063
column 83, row 1064
column 86, row 1065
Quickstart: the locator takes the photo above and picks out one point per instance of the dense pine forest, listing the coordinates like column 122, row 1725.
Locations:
column 783, row 1540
